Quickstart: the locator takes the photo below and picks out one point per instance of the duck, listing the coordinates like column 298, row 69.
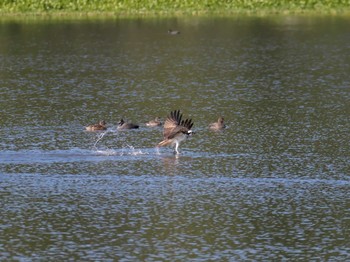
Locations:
column 219, row 125
column 173, row 32
column 123, row 125
column 97, row 127
column 154, row 122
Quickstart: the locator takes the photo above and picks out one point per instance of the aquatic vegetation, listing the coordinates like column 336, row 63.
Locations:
column 166, row 7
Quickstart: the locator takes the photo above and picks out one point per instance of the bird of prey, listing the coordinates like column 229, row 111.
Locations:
column 176, row 130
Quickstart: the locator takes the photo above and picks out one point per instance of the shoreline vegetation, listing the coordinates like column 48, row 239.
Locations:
column 120, row 8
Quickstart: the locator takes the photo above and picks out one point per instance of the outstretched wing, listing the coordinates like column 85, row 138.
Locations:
column 171, row 123
column 174, row 124
column 187, row 123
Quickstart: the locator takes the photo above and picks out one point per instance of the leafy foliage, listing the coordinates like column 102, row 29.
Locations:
column 170, row 7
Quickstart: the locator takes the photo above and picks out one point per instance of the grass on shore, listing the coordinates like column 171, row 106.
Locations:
column 169, row 7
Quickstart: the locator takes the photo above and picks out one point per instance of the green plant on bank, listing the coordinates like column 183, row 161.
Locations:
column 170, row 6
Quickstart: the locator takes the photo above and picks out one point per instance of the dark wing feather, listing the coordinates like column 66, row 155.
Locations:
column 176, row 116
column 187, row 123
column 172, row 121
column 174, row 124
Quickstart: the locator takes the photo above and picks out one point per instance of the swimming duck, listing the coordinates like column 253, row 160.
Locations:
column 173, row 32
column 123, row 125
column 97, row 127
column 155, row 122
column 219, row 125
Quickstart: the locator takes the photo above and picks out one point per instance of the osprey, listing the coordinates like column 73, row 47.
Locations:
column 176, row 130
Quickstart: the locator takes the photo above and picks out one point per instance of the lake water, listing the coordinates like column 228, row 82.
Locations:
column 273, row 186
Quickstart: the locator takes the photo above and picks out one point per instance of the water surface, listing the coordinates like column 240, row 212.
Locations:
column 274, row 185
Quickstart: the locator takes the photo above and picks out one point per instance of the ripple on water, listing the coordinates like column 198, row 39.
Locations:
column 163, row 216
column 273, row 186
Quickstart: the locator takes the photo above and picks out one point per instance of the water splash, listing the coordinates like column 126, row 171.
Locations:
column 108, row 152
column 125, row 150
column 157, row 150
column 99, row 138
column 132, row 150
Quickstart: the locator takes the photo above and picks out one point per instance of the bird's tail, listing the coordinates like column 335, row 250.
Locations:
column 164, row 143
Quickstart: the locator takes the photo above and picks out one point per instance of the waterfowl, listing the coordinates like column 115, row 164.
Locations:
column 97, row 127
column 173, row 32
column 154, row 122
column 123, row 125
column 219, row 125
column 176, row 130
